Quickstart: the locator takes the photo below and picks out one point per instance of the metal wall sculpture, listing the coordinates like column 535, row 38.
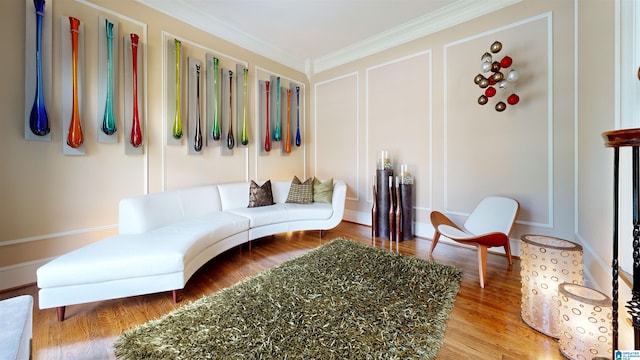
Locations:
column 496, row 77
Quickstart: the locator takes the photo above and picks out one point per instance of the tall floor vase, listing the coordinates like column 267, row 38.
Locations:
column 383, row 201
column 406, row 194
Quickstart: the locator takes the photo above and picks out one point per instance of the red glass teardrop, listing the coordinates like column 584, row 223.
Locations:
column 136, row 132
column 491, row 91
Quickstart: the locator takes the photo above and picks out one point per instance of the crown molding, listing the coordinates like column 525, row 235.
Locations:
column 458, row 12
column 214, row 26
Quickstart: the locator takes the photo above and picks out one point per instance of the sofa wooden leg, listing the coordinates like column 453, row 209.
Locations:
column 176, row 296
column 61, row 312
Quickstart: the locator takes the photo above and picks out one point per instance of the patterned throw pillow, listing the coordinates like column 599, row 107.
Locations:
column 322, row 191
column 260, row 195
column 300, row 192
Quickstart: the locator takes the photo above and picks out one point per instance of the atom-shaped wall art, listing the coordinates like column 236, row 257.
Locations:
column 496, row 77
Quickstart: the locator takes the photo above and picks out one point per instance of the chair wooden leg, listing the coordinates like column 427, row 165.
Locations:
column 434, row 242
column 482, row 263
column 507, row 250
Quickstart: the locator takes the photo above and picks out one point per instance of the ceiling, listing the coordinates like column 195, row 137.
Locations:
column 316, row 35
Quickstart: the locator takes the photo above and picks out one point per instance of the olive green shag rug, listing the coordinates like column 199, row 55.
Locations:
column 342, row 300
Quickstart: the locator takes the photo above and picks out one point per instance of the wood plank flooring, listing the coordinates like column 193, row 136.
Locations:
column 485, row 323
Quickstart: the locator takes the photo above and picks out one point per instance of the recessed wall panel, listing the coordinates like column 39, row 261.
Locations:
column 399, row 119
column 504, row 153
column 336, row 131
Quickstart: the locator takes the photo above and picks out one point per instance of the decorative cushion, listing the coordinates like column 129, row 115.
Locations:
column 322, row 191
column 300, row 193
column 260, row 195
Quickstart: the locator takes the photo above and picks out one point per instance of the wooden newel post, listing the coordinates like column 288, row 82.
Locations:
column 617, row 139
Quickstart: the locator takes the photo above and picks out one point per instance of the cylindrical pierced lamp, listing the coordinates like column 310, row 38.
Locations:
column 585, row 322
column 545, row 263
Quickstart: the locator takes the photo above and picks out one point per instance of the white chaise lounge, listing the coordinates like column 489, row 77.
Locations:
column 16, row 322
column 165, row 237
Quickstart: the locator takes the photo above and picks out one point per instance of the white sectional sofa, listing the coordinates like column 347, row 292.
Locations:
column 165, row 237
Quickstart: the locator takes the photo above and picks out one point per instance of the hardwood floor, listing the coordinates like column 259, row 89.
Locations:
column 485, row 323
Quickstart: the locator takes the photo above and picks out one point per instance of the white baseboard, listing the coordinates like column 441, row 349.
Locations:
column 420, row 229
column 20, row 274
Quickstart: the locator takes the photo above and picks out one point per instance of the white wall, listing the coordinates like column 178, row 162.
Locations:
column 419, row 102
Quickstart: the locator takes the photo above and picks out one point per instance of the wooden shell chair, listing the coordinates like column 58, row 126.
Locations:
column 488, row 226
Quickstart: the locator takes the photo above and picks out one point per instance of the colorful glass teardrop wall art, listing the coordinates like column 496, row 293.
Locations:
column 496, row 78
column 216, row 100
column 298, row 136
column 136, row 131
column 267, row 136
column 197, row 140
column 108, row 119
column 176, row 129
column 38, row 119
column 287, row 132
column 244, row 137
column 277, row 134
column 230, row 140
column 75, row 137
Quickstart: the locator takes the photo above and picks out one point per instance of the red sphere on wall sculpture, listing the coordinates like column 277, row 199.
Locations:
column 494, row 76
column 506, row 62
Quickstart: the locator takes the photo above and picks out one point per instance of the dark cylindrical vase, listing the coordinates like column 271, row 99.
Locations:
column 406, row 191
column 384, row 204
